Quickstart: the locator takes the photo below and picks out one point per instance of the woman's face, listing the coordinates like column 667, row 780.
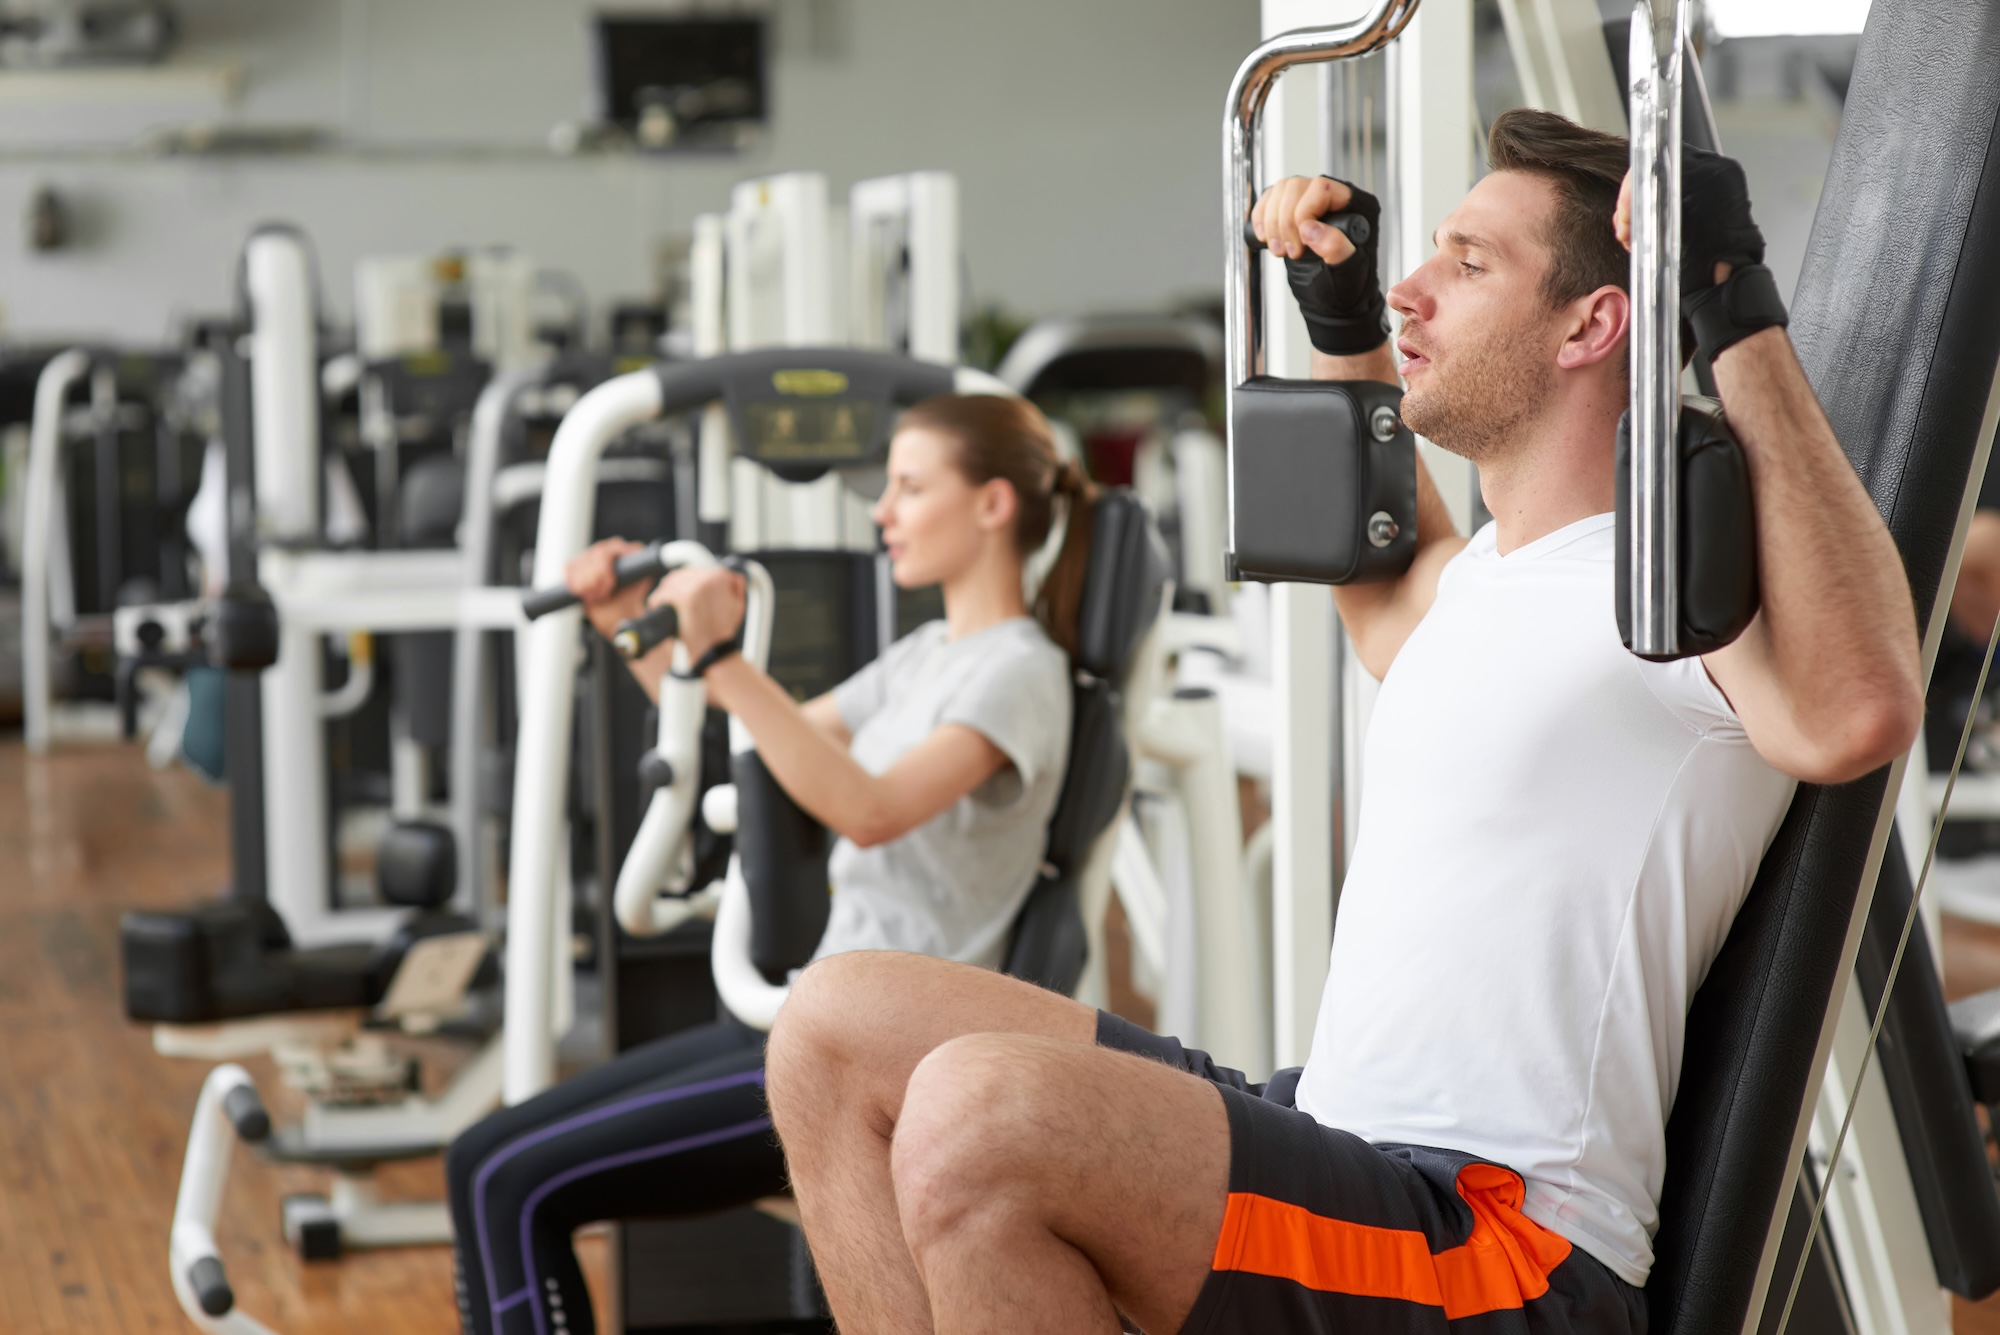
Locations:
column 935, row 522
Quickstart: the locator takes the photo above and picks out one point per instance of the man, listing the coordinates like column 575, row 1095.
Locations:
column 1553, row 841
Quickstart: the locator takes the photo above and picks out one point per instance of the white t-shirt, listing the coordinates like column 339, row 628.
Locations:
column 953, row 886
column 1554, row 838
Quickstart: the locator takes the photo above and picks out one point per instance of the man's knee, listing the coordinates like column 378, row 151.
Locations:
column 975, row 1116
column 830, row 1023
column 813, row 1027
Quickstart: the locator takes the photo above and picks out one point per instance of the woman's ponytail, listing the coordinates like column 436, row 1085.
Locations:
column 1060, row 603
column 1008, row 438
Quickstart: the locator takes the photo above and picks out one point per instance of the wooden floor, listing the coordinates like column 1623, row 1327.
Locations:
column 93, row 1123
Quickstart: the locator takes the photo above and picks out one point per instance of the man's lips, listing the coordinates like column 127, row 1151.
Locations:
column 1413, row 359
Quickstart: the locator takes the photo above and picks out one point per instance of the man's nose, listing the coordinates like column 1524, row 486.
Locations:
column 1408, row 298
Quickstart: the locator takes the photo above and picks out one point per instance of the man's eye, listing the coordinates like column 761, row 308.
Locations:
column 1470, row 267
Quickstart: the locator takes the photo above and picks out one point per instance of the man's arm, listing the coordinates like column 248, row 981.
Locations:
column 1826, row 678
column 1379, row 617
column 1975, row 599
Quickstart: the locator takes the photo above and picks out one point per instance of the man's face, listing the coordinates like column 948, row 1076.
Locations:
column 1479, row 341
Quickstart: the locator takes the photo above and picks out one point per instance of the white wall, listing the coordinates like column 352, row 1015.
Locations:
column 1086, row 135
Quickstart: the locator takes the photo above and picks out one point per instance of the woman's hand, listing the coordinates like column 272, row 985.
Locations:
column 710, row 600
column 591, row 577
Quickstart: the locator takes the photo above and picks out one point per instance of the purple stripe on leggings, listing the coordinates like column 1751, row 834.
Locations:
column 593, row 1115
column 568, row 1176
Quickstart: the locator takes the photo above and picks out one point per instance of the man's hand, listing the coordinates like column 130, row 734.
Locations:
column 1287, row 218
column 1826, row 679
column 1621, row 224
column 590, row 576
column 1726, row 292
column 711, row 602
column 1335, row 282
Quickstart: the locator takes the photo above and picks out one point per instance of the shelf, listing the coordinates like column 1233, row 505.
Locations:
column 139, row 83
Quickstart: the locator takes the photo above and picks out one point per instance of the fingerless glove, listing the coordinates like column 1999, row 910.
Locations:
column 1342, row 303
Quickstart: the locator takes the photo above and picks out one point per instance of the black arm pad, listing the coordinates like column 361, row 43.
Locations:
column 784, row 853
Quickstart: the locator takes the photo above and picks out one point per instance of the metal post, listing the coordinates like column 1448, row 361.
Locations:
column 1654, row 566
column 1305, row 857
column 471, row 677
column 1242, row 118
column 108, row 482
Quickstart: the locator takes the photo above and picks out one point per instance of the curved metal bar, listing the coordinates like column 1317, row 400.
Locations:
column 1656, row 55
column 1243, row 115
column 655, row 860
column 742, row 988
column 45, row 545
column 471, row 683
column 547, row 657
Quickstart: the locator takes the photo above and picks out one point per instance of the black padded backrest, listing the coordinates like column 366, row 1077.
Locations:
column 1121, row 590
column 1121, row 598
column 1094, row 782
column 1894, row 320
column 430, row 501
column 1049, row 945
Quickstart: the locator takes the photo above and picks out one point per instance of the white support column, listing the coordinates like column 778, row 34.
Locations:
column 284, row 424
column 1434, row 123
column 1302, row 759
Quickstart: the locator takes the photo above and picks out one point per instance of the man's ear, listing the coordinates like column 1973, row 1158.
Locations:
column 1596, row 328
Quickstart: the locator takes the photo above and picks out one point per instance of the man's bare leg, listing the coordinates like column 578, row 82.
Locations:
column 839, row 1059
column 1047, row 1186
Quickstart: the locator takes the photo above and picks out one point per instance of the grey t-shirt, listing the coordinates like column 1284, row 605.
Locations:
column 952, row 886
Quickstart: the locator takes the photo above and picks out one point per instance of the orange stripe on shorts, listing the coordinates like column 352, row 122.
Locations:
column 1505, row 1262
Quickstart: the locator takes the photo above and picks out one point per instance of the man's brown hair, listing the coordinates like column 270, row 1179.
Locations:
column 1586, row 168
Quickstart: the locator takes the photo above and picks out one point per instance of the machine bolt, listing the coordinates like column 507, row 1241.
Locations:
column 1382, row 529
column 1383, row 422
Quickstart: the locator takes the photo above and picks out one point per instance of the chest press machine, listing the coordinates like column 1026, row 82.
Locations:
column 1905, row 363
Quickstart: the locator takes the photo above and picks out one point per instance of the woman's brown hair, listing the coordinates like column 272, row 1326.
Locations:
column 1008, row 438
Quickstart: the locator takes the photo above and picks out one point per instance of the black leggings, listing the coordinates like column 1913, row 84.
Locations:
column 677, row 1126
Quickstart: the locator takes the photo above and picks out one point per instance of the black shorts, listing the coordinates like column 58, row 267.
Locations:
column 1327, row 1233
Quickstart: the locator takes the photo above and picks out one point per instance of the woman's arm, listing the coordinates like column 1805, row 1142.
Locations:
column 828, row 782
column 824, row 714
column 805, row 747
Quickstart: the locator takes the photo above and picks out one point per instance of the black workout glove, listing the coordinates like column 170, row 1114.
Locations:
column 1716, row 226
column 1342, row 303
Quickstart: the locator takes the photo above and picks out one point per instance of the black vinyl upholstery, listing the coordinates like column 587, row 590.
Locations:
column 1121, row 597
column 1894, row 320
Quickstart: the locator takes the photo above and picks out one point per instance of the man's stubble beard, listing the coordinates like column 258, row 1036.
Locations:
column 1477, row 408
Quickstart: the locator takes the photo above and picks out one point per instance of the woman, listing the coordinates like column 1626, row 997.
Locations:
column 938, row 766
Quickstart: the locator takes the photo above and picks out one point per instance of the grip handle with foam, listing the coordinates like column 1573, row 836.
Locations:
column 645, row 563
column 639, row 636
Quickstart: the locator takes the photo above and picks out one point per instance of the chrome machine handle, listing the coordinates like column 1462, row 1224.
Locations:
column 1242, row 121
column 1657, row 55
